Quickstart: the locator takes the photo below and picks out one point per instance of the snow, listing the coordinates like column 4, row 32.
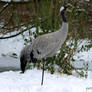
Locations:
column 83, row 57
column 14, row 45
column 30, row 82
column 8, row 46
column 9, row 63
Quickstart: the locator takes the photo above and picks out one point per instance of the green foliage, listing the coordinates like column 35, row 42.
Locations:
column 86, row 47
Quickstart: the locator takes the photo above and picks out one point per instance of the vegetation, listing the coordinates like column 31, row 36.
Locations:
column 44, row 16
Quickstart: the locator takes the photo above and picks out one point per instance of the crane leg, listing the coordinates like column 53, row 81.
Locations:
column 43, row 72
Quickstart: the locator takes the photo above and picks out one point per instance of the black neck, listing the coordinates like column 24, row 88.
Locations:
column 63, row 17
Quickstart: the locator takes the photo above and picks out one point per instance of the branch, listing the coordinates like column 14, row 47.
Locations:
column 15, row 34
column 20, row 31
column 4, row 7
column 76, row 70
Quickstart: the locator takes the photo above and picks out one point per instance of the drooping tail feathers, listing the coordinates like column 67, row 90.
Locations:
column 26, row 56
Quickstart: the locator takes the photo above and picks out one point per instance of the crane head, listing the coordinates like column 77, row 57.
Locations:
column 63, row 8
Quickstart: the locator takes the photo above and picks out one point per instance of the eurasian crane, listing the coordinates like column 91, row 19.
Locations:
column 45, row 45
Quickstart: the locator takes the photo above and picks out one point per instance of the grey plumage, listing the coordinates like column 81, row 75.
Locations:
column 50, row 43
column 45, row 45
column 26, row 52
column 26, row 56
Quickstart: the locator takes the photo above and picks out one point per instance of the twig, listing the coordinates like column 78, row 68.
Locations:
column 4, row 7
column 15, row 34
column 19, row 32
column 76, row 70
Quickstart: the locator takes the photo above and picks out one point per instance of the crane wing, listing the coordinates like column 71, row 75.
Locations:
column 45, row 46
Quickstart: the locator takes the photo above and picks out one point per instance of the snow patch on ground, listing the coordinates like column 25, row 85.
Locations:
column 30, row 82
column 14, row 45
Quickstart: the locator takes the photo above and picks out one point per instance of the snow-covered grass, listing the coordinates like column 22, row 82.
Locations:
column 31, row 82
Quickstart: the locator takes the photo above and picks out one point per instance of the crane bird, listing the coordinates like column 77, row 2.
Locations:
column 45, row 45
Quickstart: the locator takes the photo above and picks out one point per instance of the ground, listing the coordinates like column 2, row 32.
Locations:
column 31, row 82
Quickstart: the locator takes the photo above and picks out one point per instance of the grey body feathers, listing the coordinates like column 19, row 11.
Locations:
column 49, row 44
column 26, row 52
